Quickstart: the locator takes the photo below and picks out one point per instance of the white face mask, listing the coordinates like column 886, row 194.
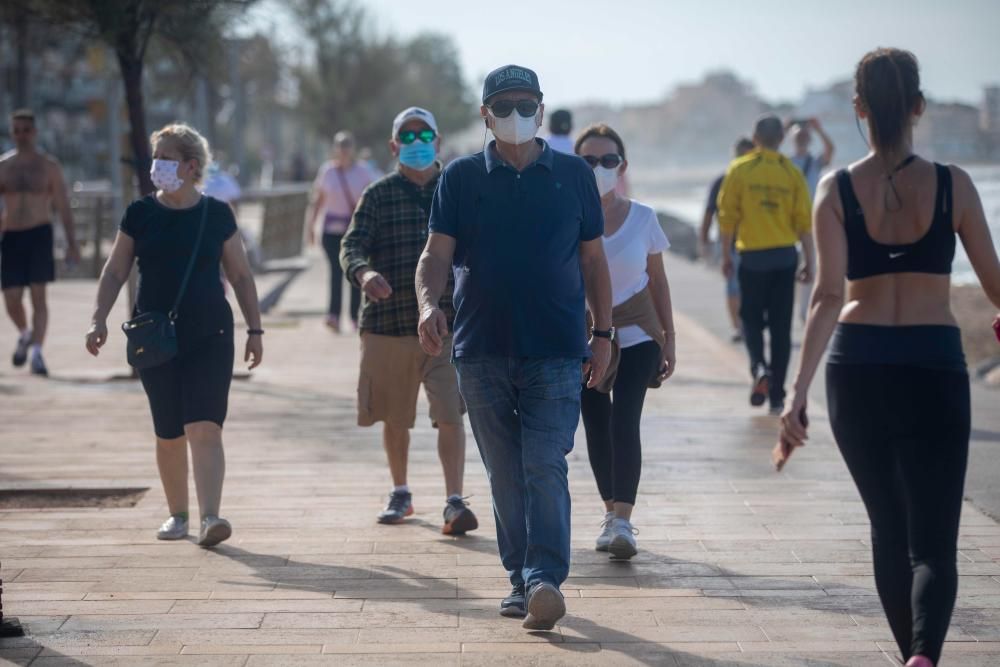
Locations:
column 607, row 179
column 163, row 173
column 515, row 129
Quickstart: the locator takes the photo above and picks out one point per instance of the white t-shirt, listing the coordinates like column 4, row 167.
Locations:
column 338, row 202
column 627, row 251
column 560, row 142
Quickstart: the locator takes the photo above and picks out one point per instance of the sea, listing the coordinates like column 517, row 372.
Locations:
column 685, row 199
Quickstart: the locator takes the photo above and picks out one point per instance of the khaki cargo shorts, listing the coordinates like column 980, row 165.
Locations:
column 392, row 370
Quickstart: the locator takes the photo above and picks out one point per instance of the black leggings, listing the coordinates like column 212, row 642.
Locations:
column 613, row 428
column 331, row 244
column 904, row 433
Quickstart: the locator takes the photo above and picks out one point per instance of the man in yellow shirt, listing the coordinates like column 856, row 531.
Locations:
column 764, row 202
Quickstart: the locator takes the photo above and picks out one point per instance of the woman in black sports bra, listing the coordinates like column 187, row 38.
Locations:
column 897, row 386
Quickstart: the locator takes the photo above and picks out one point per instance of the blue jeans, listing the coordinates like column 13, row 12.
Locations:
column 524, row 414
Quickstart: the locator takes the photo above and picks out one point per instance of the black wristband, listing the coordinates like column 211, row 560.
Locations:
column 255, row 332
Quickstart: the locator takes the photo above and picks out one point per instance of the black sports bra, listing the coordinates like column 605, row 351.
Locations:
column 932, row 253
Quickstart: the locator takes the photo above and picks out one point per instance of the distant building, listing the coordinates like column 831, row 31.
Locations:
column 950, row 133
column 989, row 120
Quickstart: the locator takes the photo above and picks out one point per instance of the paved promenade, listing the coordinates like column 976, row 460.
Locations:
column 738, row 565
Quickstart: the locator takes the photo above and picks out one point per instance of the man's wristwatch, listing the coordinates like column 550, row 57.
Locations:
column 609, row 334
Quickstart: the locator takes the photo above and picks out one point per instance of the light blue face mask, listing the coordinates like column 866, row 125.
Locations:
column 417, row 155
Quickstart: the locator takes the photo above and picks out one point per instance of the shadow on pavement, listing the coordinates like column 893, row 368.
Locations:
column 412, row 590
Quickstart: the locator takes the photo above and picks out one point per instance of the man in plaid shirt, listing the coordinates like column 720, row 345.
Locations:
column 379, row 254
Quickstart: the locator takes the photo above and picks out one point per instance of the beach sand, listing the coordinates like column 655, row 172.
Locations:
column 975, row 314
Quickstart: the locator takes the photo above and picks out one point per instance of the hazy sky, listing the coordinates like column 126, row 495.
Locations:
column 636, row 50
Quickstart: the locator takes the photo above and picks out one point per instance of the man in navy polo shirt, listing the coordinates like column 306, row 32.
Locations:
column 520, row 225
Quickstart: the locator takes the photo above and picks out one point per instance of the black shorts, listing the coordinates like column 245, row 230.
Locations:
column 192, row 387
column 26, row 257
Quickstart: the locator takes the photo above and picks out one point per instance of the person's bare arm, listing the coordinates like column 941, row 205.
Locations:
column 597, row 283
column 316, row 204
column 238, row 273
column 703, row 233
column 828, row 148
column 60, row 197
column 659, row 286
column 975, row 234
column 431, row 282
column 113, row 276
column 827, row 301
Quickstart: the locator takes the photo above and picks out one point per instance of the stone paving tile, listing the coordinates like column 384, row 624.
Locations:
column 271, row 606
column 262, row 636
column 727, row 573
column 243, row 649
column 368, row 619
column 85, row 607
column 151, row 661
column 360, row 660
column 84, row 650
column 163, row 621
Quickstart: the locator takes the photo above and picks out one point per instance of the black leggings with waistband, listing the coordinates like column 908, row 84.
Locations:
column 899, row 408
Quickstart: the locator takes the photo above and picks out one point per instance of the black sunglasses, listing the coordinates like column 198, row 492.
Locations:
column 504, row 108
column 608, row 160
column 409, row 136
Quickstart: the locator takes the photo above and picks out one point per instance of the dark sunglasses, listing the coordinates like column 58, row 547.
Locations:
column 409, row 136
column 504, row 108
column 608, row 160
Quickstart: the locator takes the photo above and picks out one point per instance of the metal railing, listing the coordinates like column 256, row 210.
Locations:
column 273, row 220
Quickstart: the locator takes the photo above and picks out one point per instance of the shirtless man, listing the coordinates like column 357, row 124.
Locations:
column 31, row 185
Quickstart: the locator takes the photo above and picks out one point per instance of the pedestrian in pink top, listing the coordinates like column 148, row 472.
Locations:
column 336, row 191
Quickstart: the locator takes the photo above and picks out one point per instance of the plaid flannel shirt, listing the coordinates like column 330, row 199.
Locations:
column 388, row 233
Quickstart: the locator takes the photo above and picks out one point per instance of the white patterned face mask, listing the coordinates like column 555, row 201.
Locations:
column 163, row 173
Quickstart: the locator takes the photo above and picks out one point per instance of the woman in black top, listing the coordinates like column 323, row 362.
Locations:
column 897, row 386
column 188, row 395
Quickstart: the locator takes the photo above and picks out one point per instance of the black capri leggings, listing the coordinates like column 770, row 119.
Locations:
column 331, row 244
column 192, row 387
column 613, row 427
column 904, row 433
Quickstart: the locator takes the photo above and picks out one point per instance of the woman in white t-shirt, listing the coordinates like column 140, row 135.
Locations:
column 643, row 347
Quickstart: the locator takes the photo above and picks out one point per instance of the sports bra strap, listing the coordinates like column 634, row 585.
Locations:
column 848, row 200
column 942, row 205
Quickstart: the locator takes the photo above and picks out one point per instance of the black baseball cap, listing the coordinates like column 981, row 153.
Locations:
column 510, row 77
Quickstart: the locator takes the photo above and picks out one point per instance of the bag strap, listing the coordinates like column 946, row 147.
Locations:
column 346, row 189
column 194, row 255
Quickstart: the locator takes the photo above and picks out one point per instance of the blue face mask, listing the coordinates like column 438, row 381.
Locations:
column 417, row 155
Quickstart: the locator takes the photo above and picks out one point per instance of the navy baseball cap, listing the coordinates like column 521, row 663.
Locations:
column 510, row 77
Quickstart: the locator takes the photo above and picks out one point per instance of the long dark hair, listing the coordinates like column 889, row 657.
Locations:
column 887, row 82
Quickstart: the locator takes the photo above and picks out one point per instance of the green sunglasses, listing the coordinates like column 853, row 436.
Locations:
column 409, row 136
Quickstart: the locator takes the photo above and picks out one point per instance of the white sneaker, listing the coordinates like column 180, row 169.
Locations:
column 213, row 531
column 174, row 528
column 622, row 544
column 604, row 539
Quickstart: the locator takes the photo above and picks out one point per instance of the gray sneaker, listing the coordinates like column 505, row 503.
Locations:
column 174, row 528
column 213, row 531
column 622, row 546
column 545, row 606
column 604, row 539
column 399, row 507
column 458, row 518
column 38, row 365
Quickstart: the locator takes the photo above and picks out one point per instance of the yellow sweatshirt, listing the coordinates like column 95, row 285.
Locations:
column 764, row 199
